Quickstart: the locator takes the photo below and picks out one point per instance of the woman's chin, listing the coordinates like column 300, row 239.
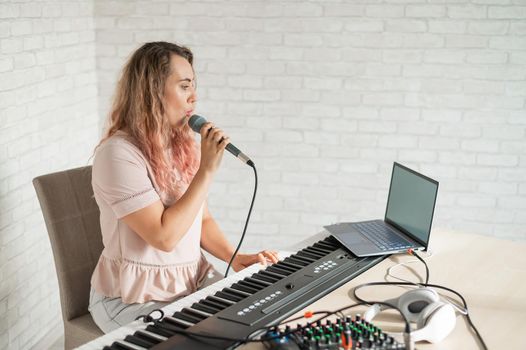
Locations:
column 179, row 124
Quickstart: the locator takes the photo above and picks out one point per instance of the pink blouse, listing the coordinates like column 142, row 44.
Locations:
column 128, row 267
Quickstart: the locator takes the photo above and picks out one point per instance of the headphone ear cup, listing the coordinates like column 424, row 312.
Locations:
column 413, row 302
column 435, row 323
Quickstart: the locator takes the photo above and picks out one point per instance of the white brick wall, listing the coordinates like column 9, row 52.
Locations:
column 48, row 122
column 324, row 95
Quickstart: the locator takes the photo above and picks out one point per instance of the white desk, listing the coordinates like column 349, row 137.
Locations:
column 490, row 273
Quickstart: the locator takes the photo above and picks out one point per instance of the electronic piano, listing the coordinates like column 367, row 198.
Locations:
column 243, row 304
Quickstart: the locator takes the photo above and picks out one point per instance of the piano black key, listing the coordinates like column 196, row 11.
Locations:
column 327, row 249
column 112, row 347
column 277, row 270
column 325, row 245
column 228, row 296
column 286, row 267
column 168, row 328
column 138, row 341
column 270, row 275
column 311, row 254
column 252, row 285
column 244, row 288
column 171, row 323
column 290, row 261
column 116, row 346
column 226, row 302
column 186, row 317
column 317, row 251
column 297, row 261
column 196, row 313
column 206, row 308
column 236, row 291
column 257, row 281
column 159, row 330
column 123, row 345
column 290, row 266
column 151, row 337
column 213, row 304
column 305, row 256
column 306, row 261
column 331, row 241
column 259, row 276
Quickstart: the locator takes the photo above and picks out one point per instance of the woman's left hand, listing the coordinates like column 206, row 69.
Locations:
column 245, row 260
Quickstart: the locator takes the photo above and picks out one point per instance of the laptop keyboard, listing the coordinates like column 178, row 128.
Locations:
column 382, row 236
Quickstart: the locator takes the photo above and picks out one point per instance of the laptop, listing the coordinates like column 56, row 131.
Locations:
column 407, row 221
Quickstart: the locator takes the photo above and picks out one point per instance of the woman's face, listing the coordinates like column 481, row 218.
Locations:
column 179, row 92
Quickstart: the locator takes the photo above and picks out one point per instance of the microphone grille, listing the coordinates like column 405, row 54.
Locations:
column 196, row 122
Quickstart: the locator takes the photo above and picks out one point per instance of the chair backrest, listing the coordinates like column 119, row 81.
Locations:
column 72, row 220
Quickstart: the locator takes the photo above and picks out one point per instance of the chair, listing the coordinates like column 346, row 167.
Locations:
column 72, row 220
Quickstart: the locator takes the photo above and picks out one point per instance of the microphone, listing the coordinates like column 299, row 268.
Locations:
column 196, row 122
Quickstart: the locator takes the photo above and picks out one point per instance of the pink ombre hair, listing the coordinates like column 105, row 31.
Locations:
column 138, row 109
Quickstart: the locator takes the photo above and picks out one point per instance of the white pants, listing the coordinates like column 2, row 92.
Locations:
column 111, row 313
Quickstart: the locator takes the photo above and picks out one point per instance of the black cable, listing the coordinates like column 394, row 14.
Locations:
column 464, row 303
column 412, row 252
column 253, row 166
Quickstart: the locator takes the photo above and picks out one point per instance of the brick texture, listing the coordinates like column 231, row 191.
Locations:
column 48, row 122
column 324, row 95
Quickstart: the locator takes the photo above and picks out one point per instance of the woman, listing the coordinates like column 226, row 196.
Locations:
column 150, row 181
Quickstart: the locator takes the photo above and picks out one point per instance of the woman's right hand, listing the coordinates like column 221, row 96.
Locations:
column 213, row 143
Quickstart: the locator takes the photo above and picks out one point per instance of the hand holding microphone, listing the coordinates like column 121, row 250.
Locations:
column 213, row 143
column 200, row 126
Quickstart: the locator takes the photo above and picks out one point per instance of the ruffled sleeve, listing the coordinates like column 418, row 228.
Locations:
column 113, row 163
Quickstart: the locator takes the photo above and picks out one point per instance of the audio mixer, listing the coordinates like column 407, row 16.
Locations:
column 341, row 334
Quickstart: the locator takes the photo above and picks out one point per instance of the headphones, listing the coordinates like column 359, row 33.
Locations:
column 434, row 319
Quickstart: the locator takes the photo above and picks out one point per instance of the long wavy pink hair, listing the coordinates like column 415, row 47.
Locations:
column 138, row 109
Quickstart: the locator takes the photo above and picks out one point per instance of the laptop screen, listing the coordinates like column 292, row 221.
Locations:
column 411, row 203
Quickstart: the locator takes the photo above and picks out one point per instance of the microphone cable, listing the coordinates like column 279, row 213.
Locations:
column 253, row 166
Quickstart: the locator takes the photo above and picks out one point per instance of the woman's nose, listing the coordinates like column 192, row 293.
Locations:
column 193, row 96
